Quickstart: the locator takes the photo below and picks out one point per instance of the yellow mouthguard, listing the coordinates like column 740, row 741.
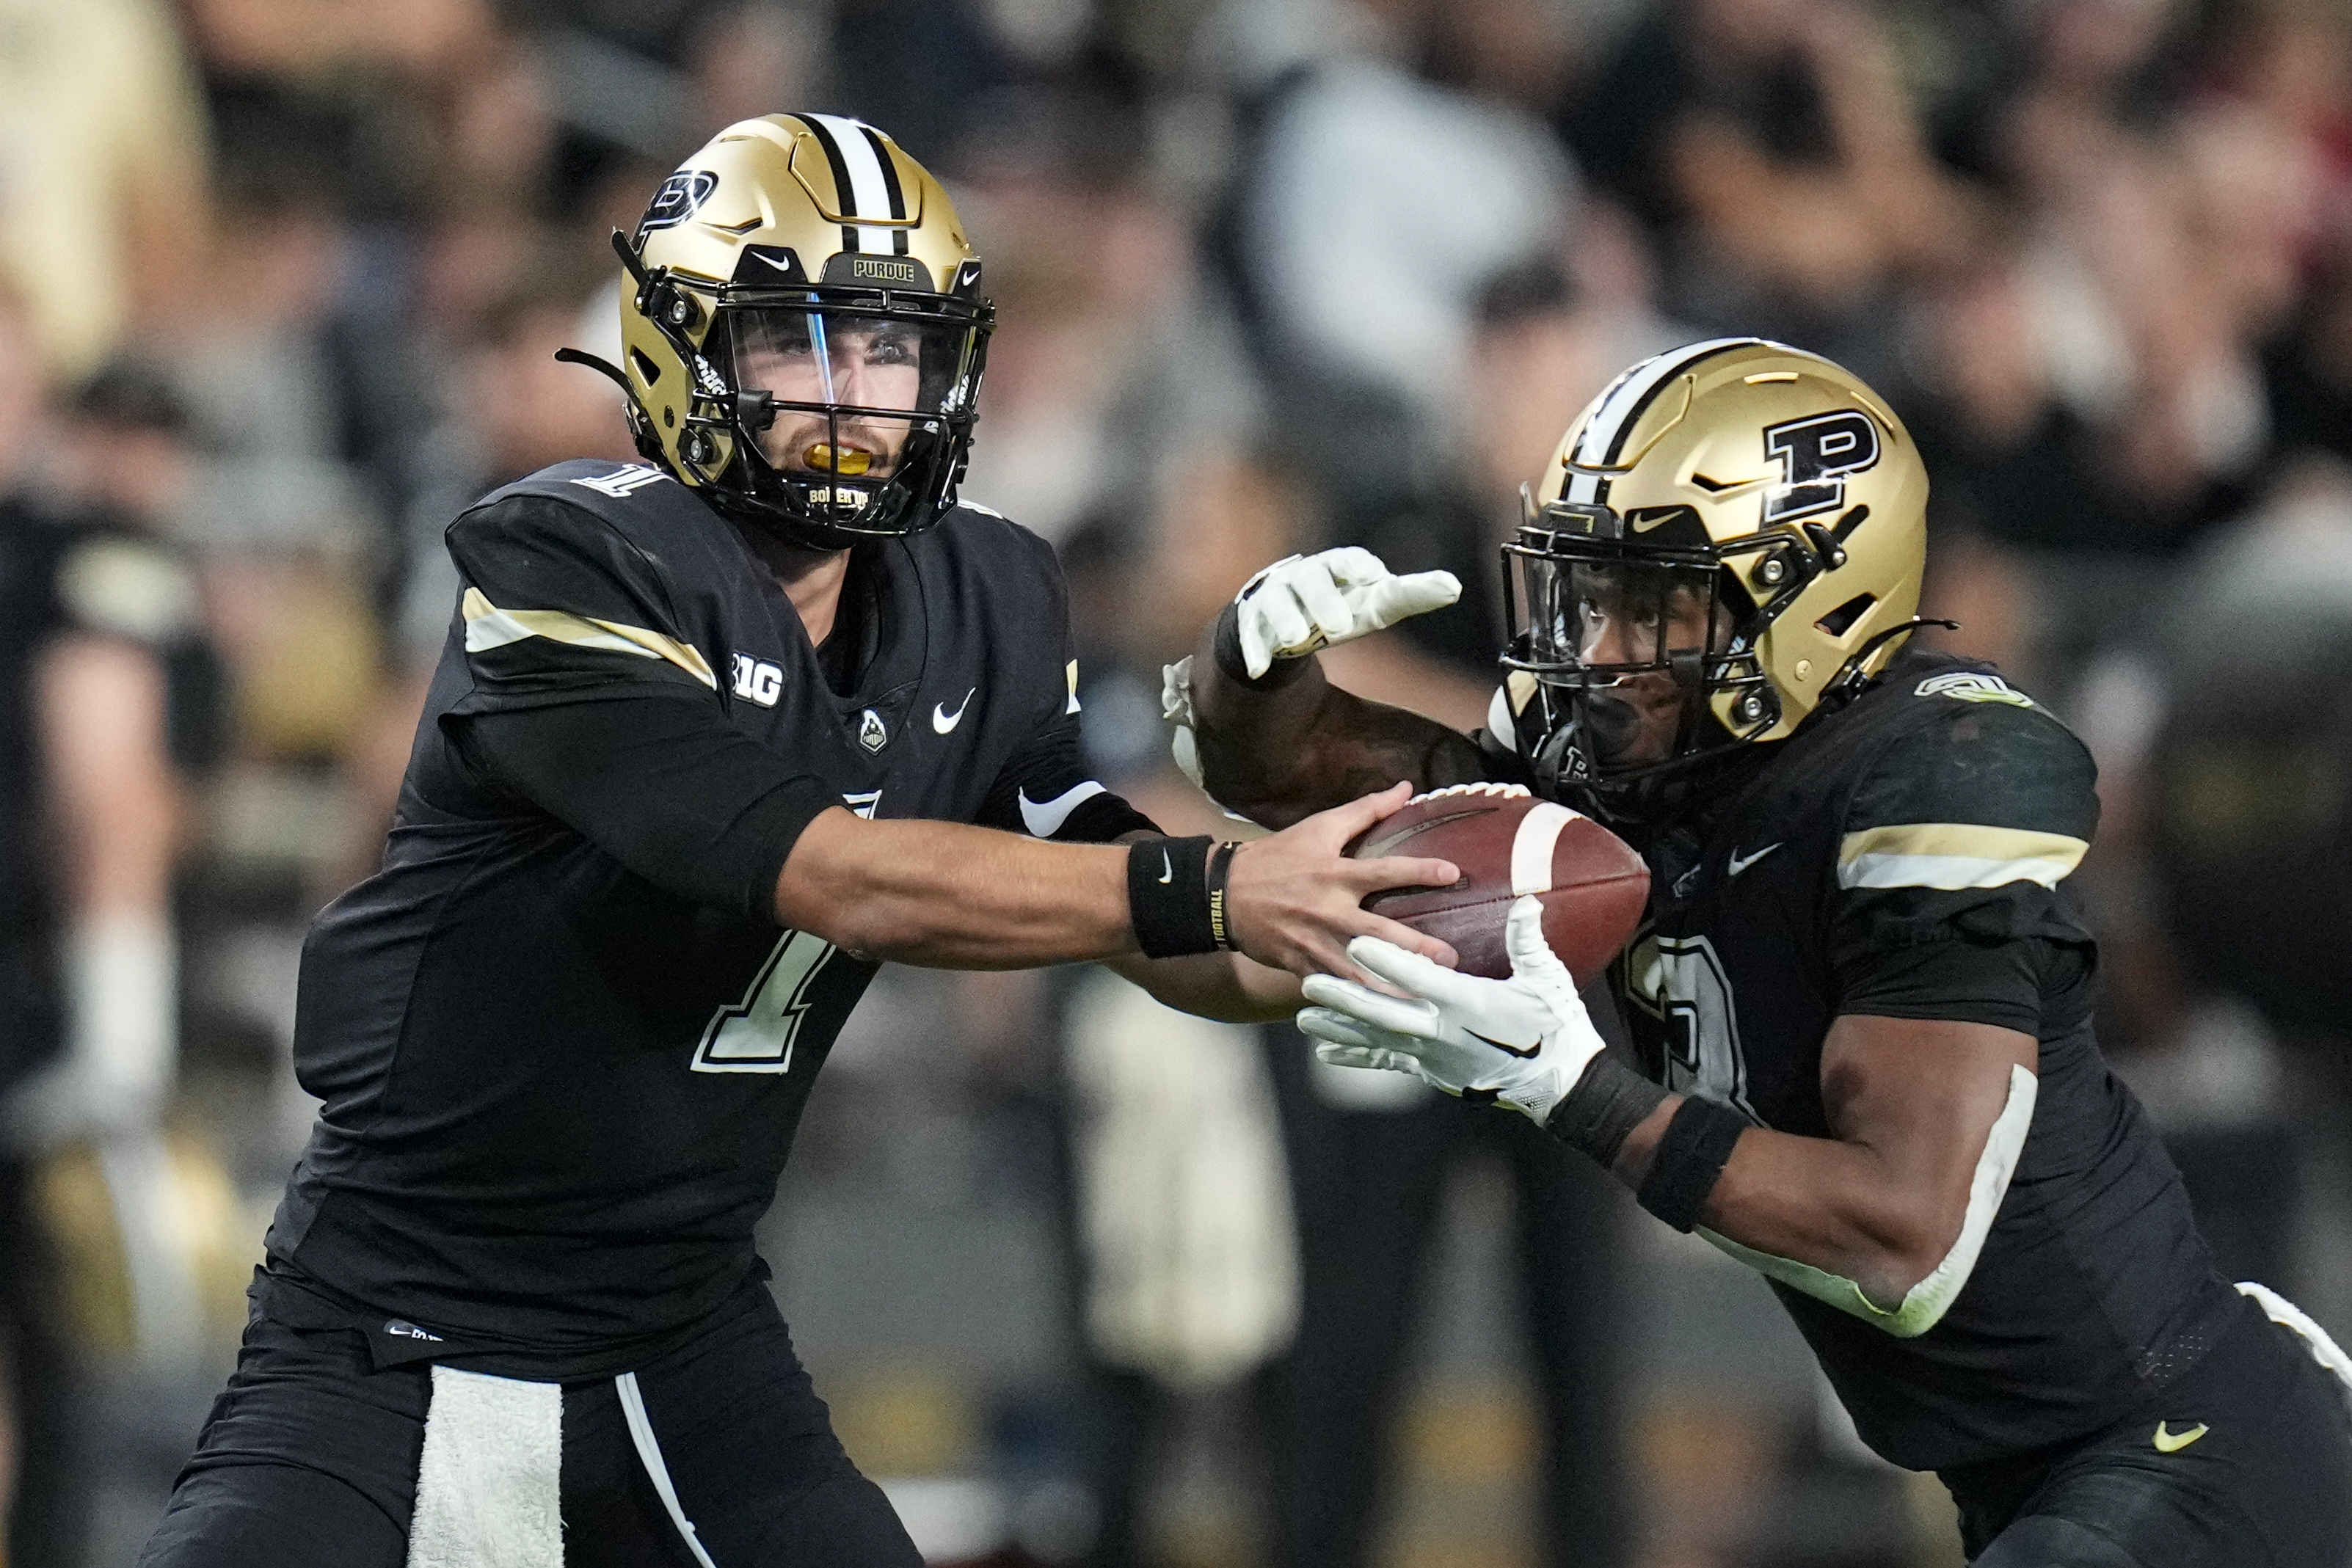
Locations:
column 849, row 460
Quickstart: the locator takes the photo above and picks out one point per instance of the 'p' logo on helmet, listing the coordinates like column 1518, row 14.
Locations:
column 676, row 200
column 1816, row 454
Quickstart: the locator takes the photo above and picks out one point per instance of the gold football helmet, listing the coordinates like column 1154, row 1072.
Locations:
column 1742, row 520
column 804, row 341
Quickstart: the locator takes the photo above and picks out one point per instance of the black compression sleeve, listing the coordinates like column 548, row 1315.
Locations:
column 657, row 779
column 1998, row 983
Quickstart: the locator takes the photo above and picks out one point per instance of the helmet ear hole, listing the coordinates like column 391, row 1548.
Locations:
column 1838, row 622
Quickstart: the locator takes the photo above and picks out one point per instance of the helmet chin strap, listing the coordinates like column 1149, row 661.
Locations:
column 1611, row 724
column 640, row 424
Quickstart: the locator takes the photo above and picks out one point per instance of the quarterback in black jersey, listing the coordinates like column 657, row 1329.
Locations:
column 1861, row 999
column 713, row 734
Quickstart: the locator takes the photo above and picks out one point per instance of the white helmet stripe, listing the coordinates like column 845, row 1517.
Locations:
column 1621, row 407
column 869, row 194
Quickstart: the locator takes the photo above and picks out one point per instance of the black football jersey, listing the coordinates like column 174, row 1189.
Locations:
column 1907, row 857
column 557, row 1094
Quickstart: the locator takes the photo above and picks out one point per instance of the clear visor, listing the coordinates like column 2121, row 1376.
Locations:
column 1620, row 618
column 851, row 388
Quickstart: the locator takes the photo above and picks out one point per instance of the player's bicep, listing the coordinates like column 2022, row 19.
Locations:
column 556, row 603
column 1888, row 1230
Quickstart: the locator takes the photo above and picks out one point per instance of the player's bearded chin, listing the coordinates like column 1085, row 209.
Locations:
column 805, row 443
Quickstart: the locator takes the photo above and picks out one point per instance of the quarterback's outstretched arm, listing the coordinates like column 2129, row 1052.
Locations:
column 656, row 777
column 950, row 896
column 1275, row 739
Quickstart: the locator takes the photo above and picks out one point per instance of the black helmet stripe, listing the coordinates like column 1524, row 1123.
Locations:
column 842, row 193
column 890, row 187
column 862, row 177
column 1621, row 407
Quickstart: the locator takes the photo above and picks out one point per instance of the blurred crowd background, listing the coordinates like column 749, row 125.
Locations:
column 1085, row 1280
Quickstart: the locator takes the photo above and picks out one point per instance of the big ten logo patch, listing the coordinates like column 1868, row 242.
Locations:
column 758, row 681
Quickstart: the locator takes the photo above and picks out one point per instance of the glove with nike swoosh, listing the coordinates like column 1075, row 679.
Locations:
column 1525, row 1040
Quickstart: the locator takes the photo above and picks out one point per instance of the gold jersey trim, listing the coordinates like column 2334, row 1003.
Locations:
column 488, row 627
column 1955, row 855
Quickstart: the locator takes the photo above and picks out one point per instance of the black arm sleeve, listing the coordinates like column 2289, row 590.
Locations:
column 1951, row 901
column 1997, row 983
column 1046, row 791
column 560, row 607
column 656, row 777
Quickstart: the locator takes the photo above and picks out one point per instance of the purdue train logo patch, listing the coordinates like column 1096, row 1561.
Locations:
column 871, row 734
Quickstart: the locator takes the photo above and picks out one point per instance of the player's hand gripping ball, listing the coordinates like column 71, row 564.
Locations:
column 1510, row 845
column 1524, row 1041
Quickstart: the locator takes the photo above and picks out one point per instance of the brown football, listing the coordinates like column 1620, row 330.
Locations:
column 1507, row 843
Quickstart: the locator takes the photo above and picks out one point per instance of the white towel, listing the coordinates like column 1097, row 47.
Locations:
column 488, row 1485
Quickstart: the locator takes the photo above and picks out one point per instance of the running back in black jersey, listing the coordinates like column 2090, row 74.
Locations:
column 557, row 1093
column 1906, row 857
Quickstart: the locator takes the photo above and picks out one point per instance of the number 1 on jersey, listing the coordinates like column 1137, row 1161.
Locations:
column 756, row 1034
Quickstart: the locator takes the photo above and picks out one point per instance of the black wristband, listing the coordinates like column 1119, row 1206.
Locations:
column 1227, row 644
column 1221, row 865
column 1167, row 896
column 1690, row 1160
column 1607, row 1102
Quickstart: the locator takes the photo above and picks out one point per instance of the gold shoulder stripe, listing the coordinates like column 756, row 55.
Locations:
column 1955, row 855
column 488, row 626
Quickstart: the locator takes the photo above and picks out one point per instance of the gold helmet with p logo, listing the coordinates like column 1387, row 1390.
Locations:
column 1743, row 520
column 803, row 334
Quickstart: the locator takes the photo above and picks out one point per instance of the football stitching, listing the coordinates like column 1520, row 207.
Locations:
column 1498, row 792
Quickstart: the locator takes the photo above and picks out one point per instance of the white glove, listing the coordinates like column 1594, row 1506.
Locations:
column 1527, row 1040
column 1301, row 603
column 1176, row 709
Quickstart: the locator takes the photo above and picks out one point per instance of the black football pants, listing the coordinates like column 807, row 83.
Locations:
column 2267, row 1484
column 311, row 1457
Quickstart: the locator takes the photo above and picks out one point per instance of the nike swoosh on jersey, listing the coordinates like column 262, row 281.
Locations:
column 1043, row 819
column 1525, row 1053
column 1738, row 863
column 943, row 721
column 2173, row 1442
